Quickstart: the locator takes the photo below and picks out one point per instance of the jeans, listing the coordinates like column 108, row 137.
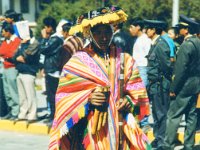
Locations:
column 143, row 74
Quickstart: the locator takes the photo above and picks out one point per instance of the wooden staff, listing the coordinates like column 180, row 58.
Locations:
column 120, row 115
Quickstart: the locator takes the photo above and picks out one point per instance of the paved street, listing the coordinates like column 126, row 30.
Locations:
column 22, row 141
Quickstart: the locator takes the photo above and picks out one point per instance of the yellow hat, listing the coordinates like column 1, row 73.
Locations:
column 105, row 15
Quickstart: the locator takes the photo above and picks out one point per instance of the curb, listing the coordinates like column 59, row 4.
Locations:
column 41, row 128
column 22, row 126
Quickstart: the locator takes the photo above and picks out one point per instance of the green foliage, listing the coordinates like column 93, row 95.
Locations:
column 190, row 8
column 65, row 9
column 148, row 9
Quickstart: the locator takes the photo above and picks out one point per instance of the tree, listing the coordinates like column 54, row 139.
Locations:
column 190, row 8
column 148, row 9
column 65, row 9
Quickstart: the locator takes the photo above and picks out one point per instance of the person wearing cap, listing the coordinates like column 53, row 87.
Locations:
column 141, row 47
column 185, row 87
column 7, row 50
column 159, row 77
column 140, row 50
column 87, row 98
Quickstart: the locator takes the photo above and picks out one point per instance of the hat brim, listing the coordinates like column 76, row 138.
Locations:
column 113, row 17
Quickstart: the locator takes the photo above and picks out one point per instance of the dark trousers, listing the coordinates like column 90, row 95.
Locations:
column 160, row 105
column 183, row 104
column 198, row 119
column 3, row 105
column 51, row 87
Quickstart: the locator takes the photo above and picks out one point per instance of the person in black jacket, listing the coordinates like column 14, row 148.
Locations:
column 122, row 39
column 159, row 76
column 185, row 87
column 51, row 48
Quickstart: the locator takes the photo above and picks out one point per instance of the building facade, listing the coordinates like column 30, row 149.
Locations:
column 29, row 8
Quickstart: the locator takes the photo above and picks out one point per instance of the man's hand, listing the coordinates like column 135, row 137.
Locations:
column 1, row 59
column 124, row 106
column 172, row 94
column 97, row 98
column 44, row 33
column 24, row 40
column 2, row 18
column 20, row 59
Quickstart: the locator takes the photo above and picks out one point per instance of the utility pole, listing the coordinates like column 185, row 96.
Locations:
column 175, row 12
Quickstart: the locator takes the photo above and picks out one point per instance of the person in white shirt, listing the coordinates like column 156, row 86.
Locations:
column 141, row 47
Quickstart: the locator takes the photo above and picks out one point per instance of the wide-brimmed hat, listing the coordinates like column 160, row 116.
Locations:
column 105, row 15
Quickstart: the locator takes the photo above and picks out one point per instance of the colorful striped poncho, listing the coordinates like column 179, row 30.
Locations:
column 73, row 119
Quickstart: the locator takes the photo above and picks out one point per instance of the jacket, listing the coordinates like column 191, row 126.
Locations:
column 30, row 53
column 51, row 50
column 187, row 68
column 159, row 61
column 159, row 66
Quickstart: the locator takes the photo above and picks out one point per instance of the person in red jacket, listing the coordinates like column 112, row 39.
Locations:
column 7, row 50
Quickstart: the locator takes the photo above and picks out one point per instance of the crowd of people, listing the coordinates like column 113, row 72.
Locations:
column 101, row 80
column 21, row 60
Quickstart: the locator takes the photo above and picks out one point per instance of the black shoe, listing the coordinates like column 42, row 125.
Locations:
column 18, row 119
column 44, row 93
column 43, row 117
column 198, row 128
column 178, row 142
column 32, row 121
column 48, row 122
column 154, row 144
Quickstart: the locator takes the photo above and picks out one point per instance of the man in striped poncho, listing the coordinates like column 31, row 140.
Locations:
column 87, row 99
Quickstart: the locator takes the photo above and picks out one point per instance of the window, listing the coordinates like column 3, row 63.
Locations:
column 24, row 5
